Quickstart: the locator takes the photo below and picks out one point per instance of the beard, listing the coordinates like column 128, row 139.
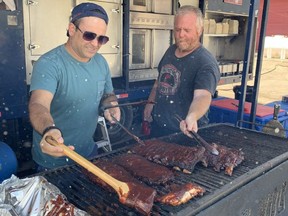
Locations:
column 186, row 46
column 183, row 45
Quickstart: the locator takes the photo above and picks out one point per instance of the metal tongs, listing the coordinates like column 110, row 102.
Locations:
column 136, row 138
column 108, row 105
column 199, row 139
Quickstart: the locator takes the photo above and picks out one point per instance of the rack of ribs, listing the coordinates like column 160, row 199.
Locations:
column 227, row 159
column 143, row 169
column 171, row 154
column 141, row 201
column 58, row 206
column 180, row 194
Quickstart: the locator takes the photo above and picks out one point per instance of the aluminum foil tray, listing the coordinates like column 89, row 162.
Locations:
column 34, row 196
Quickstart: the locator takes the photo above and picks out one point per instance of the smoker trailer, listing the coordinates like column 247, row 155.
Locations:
column 258, row 187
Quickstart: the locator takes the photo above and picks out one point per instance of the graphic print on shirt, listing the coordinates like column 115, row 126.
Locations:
column 169, row 80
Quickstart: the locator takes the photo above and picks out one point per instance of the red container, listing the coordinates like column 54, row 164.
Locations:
column 146, row 128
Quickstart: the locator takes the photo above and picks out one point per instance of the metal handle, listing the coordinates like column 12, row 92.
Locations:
column 276, row 111
column 116, row 10
column 30, row 2
column 199, row 139
column 103, row 108
column 33, row 46
column 136, row 138
column 116, row 46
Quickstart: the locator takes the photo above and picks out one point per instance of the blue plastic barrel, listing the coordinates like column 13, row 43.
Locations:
column 8, row 162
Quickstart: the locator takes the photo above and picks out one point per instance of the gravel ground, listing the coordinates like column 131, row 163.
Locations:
column 273, row 82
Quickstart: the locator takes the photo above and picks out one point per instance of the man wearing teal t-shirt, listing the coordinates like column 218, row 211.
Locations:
column 67, row 86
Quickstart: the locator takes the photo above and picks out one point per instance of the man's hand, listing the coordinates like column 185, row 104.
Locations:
column 191, row 122
column 112, row 111
column 186, row 126
column 110, row 100
column 50, row 149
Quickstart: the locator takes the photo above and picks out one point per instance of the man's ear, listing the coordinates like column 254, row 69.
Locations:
column 200, row 31
column 71, row 29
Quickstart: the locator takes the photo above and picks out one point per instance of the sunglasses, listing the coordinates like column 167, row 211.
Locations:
column 89, row 36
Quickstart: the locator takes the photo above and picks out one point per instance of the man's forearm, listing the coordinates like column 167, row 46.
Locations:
column 199, row 106
column 40, row 117
column 152, row 95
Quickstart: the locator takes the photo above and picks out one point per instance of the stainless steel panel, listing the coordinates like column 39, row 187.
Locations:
column 44, row 28
column 140, row 5
column 140, row 49
column 189, row 2
column 115, row 64
column 158, row 6
column 161, row 42
column 143, row 74
column 46, row 25
column 150, row 20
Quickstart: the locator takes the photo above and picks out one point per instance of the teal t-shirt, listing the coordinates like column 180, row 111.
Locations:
column 77, row 88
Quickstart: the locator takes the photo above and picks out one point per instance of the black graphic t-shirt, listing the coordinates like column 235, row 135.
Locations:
column 177, row 80
column 169, row 80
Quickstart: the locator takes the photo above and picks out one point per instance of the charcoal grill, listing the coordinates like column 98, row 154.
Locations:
column 257, row 187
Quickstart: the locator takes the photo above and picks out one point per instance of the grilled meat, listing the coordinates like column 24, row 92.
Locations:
column 140, row 196
column 180, row 194
column 140, row 167
column 114, row 170
column 170, row 154
column 227, row 159
column 58, row 207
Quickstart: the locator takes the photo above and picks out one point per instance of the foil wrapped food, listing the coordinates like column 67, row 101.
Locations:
column 34, row 196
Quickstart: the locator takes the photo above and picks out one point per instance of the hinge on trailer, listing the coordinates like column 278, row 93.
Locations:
column 116, row 10
column 33, row 46
column 30, row 2
column 206, row 5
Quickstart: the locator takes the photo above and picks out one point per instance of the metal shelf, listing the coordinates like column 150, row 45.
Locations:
column 105, row 142
column 220, row 35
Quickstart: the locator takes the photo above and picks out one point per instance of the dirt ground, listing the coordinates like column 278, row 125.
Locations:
column 273, row 82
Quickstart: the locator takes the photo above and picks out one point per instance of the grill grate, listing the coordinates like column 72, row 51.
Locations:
column 258, row 148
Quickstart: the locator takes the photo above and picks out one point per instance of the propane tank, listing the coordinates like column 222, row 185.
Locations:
column 8, row 161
